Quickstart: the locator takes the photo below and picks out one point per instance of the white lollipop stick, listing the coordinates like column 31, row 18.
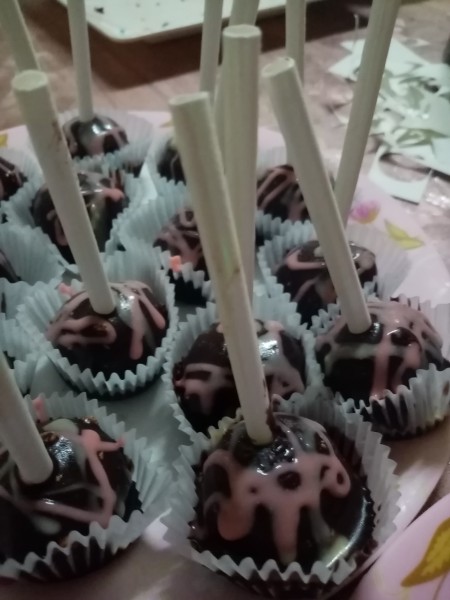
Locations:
column 244, row 12
column 209, row 57
column 194, row 128
column 79, row 40
column 33, row 94
column 13, row 25
column 18, row 432
column 286, row 93
column 241, row 47
column 296, row 33
column 379, row 33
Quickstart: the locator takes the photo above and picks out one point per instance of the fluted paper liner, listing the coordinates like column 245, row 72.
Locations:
column 145, row 223
column 39, row 309
column 21, row 349
column 139, row 132
column 420, row 405
column 151, row 479
column 292, row 582
column 18, row 210
column 392, row 262
column 265, row 309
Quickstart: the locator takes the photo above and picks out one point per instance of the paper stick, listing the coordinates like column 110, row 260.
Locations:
column 33, row 94
column 241, row 47
column 194, row 129
column 18, row 433
column 209, row 57
column 296, row 33
column 79, row 40
column 13, row 25
column 379, row 33
column 286, row 93
column 244, row 12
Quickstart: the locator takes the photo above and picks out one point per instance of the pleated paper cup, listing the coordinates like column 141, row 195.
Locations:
column 20, row 350
column 366, row 455
column 393, row 263
column 145, row 224
column 264, row 309
column 131, row 157
column 40, row 309
column 82, row 554
column 414, row 408
column 18, row 210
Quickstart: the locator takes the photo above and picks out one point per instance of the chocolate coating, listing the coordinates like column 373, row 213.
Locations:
column 113, row 343
column 181, row 238
column 11, row 179
column 102, row 135
column 91, row 482
column 293, row 500
column 278, row 194
column 104, row 199
column 304, row 275
column 169, row 164
column 363, row 366
column 6, row 269
column 203, row 380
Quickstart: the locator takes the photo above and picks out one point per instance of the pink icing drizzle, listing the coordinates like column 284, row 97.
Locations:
column 392, row 316
column 264, row 198
column 323, row 285
column 67, row 331
column 251, row 488
column 92, row 445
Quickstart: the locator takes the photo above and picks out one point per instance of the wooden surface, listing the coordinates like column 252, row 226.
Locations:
column 143, row 76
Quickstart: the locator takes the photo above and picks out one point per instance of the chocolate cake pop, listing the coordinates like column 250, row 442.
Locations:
column 295, row 499
column 91, row 482
column 203, row 380
column 304, row 275
column 278, row 194
column 6, row 269
column 104, row 199
column 11, row 179
column 181, row 238
column 113, row 343
column 365, row 366
column 101, row 135
column 169, row 164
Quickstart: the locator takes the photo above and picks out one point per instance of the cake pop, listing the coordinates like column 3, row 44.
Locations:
column 11, row 179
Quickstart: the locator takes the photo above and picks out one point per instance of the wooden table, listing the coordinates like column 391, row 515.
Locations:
column 143, row 76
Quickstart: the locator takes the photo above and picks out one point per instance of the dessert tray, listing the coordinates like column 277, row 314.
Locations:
column 148, row 571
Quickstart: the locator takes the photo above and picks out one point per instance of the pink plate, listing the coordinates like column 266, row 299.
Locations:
column 417, row 564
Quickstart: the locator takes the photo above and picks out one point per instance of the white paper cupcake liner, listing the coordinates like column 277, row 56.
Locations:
column 30, row 253
column 18, row 210
column 420, row 405
column 39, row 309
column 21, row 349
column 139, row 132
column 292, row 582
column 392, row 262
column 265, row 309
column 145, row 223
column 151, row 480
column 26, row 164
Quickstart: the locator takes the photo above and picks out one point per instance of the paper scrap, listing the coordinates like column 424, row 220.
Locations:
column 411, row 191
